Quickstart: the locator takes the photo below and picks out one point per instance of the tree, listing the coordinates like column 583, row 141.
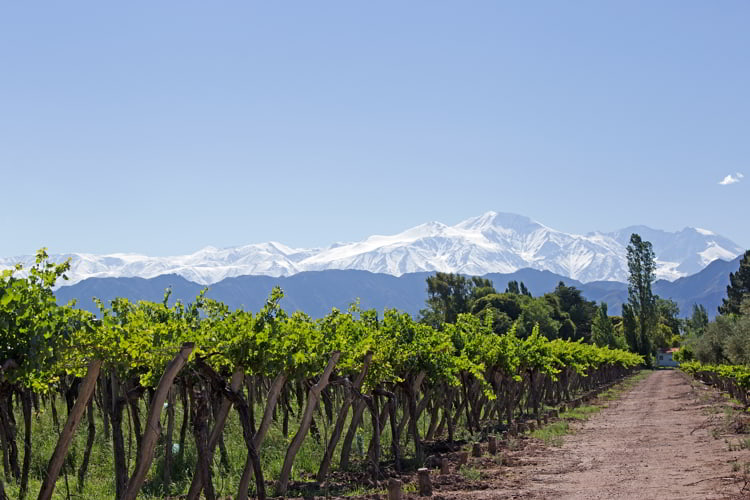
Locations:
column 447, row 297
column 602, row 329
column 505, row 308
column 480, row 287
column 738, row 288
column 669, row 313
column 567, row 328
column 642, row 313
column 696, row 324
column 727, row 339
column 538, row 312
column 514, row 288
column 580, row 310
column 630, row 328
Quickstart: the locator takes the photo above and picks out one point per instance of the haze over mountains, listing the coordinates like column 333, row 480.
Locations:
column 490, row 243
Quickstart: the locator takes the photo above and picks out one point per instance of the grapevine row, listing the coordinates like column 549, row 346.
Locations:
column 352, row 371
column 733, row 379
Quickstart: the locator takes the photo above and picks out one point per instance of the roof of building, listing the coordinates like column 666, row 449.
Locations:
column 669, row 350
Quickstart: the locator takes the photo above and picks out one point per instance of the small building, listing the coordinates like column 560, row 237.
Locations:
column 665, row 357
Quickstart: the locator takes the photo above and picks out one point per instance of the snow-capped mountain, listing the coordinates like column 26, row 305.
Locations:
column 491, row 243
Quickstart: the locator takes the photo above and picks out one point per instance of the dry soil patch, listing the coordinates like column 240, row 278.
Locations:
column 662, row 439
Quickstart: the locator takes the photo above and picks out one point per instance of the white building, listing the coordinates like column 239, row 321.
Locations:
column 664, row 357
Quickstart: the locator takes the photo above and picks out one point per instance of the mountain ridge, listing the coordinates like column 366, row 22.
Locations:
column 316, row 292
column 494, row 242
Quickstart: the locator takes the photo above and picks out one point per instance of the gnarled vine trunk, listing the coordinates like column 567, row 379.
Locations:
column 346, row 446
column 312, row 402
column 219, row 423
column 341, row 419
column 90, row 437
column 153, row 424
column 85, row 394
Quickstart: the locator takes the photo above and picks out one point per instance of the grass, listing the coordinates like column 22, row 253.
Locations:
column 581, row 413
column 744, row 467
column 741, row 444
column 470, row 473
column 552, row 434
column 99, row 479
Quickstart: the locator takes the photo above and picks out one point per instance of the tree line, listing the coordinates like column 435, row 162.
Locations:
column 648, row 322
column 726, row 340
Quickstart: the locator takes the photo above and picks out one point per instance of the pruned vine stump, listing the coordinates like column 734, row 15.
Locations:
column 492, row 445
column 425, row 486
column 444, row 466
column 394, row 489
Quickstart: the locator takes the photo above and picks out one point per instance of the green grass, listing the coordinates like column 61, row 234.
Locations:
column 580, row 413
column 99, row 483
column 552, row 434
column 470, row 473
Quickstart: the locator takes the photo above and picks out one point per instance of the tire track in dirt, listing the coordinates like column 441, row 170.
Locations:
column 653, row 442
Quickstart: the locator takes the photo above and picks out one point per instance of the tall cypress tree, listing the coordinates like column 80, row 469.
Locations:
column 739, row 287
column 641, row 300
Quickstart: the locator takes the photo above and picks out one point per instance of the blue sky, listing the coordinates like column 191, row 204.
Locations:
column 163, row 127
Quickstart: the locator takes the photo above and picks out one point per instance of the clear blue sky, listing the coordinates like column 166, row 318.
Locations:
column 162, row 127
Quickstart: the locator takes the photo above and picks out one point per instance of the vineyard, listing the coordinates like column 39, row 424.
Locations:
column 285, row 400
column 732, row 379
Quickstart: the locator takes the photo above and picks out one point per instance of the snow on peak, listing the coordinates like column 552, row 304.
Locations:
column 503, row 220
column 492, row 242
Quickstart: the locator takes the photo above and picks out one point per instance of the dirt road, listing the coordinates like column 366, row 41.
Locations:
column 659, row 440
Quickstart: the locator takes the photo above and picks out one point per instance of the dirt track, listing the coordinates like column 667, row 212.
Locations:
column 659, row 440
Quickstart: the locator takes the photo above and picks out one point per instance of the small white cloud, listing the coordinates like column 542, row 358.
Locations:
column 731, row 179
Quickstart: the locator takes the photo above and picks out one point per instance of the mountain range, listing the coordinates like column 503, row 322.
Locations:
column 491, row 243
column 316, row 292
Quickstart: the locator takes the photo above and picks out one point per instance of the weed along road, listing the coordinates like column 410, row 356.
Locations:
column 664, row 438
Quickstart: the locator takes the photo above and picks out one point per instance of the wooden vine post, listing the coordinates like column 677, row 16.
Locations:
column 63, row 442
